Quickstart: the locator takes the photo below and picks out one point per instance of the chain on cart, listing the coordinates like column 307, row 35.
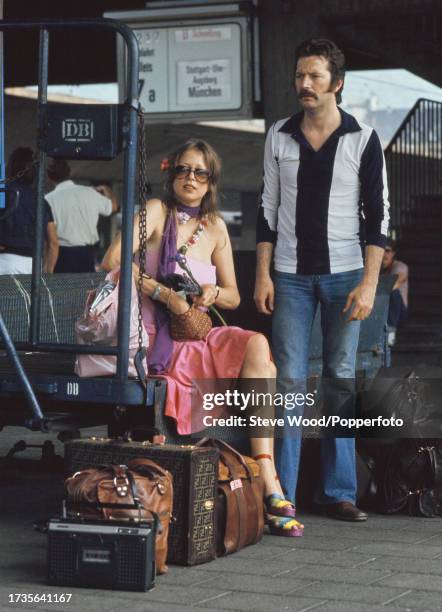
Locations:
column 143, row 189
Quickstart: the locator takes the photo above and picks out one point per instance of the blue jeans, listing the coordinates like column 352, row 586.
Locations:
column 296, row 300
column 397, row 311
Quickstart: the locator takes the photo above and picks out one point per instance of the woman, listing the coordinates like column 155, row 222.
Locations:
column 17, row 224
column 187, row 221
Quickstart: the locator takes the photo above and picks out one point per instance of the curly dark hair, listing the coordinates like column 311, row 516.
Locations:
column 20, row 158
column 209, row 203
column 59, row 170
column 331, row 52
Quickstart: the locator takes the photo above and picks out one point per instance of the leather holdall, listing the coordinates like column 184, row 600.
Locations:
column 240, row 506
column 195, row 479
column 140, row 490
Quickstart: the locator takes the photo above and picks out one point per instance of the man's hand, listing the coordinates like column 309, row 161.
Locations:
column 360, row 301
column 264, row 294
column 108, row 193
column 105, row 190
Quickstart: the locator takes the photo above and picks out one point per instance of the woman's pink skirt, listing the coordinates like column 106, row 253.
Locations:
column 220, row 355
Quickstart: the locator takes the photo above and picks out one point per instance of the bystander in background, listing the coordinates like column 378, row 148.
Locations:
column 398, row 308
column 18, row 220
column 76, row 209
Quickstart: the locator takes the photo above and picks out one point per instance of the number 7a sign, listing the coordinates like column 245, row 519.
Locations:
column 153, row 73
column 151, row 94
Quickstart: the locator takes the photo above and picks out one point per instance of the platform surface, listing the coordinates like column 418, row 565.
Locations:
column 390, row 563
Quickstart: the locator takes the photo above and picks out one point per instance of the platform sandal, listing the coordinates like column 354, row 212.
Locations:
column 276, row 504
column 284, row 526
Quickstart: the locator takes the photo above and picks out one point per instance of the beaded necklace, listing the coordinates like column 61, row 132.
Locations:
column 195, row 236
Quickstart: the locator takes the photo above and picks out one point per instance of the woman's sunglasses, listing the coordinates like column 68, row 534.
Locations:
column 202, row 176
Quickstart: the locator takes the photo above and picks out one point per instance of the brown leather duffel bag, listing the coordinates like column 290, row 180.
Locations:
column 138, row 491
column 240, row 503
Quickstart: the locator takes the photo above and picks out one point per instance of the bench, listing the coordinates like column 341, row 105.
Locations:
column 106, row 400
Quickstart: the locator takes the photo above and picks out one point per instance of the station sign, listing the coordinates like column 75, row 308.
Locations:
column 192, row 68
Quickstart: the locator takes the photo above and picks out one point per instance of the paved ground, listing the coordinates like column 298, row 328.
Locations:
column 389, row 563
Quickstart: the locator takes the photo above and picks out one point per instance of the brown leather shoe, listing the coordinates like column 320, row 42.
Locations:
column 344, row 511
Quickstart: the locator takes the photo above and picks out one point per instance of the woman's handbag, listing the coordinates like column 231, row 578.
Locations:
column 194, row 324
column 240, row 503
column 138, row 491
column 98, row 326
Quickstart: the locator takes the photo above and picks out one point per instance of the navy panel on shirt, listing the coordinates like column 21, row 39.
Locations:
column 314, row 181
column 372, row 188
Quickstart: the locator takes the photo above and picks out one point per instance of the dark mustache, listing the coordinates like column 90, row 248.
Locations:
column 305, row 92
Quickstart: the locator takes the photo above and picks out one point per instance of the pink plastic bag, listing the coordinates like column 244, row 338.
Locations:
column 99, row 326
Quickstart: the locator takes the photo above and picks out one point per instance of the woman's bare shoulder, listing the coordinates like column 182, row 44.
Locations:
column 156, row 212
column 220, row 233
column 219, row 226
column 156, row 207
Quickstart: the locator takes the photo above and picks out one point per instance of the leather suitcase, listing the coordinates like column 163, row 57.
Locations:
column 192, row 534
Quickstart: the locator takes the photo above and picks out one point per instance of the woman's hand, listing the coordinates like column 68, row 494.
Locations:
column 174, row 302
column 208, row 296
column 177, row 304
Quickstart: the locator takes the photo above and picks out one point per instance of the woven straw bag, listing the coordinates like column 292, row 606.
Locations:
column 194, row 324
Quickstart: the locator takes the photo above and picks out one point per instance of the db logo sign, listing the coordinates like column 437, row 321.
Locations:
column 77, row 130
column 72, row 388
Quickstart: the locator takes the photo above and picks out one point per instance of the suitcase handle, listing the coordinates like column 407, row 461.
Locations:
column 223, row 452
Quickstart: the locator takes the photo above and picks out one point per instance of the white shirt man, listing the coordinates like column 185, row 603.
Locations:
column 76, row 210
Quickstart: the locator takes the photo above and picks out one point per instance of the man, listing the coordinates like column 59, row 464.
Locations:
column 324, row 182
column 76, row 209
column 17, row 223
column 398, row 308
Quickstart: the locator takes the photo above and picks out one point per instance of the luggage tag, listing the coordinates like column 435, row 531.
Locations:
column 236, row 484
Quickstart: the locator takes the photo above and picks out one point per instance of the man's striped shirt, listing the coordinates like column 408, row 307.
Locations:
column 320, row 208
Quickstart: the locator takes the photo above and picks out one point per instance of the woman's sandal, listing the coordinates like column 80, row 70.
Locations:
column 284, row 526
column 277, row 505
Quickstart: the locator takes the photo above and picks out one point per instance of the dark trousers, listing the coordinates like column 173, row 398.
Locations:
column 76, row 259
column 397, row 311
